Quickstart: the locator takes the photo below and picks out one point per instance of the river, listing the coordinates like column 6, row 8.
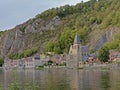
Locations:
column 60, row 79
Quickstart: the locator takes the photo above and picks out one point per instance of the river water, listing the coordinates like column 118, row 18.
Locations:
column 61, row 79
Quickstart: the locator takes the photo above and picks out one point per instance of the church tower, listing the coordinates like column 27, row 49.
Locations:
column 75, row 53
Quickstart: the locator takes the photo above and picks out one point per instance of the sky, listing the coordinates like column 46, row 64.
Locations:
column 15, row 12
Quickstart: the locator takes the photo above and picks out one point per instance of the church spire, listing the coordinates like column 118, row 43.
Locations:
column 77, row 39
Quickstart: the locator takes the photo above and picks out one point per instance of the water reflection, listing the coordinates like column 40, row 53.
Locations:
column 62, row 79
column 105, row 80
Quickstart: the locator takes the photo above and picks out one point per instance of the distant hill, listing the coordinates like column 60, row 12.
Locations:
column 96, row 22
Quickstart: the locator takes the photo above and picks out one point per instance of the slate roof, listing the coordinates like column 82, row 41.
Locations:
column 77, row 39
column 118, row 55
column 37, row 58
column 84, row 48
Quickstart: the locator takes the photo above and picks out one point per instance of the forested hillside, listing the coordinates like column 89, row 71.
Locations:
column 96, row 22
column 93, row 20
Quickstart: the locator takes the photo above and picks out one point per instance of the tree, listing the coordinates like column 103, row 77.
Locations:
column 25, row 53
column 50, row 46
column 50, row 62
column 103, row 54
column 1, row 61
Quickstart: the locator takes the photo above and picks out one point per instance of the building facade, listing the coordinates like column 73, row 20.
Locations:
column 77, row 54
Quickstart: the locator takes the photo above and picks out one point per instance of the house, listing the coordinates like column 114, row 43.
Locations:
column 37, row 61
column 14, row 63
column 118, row 56
column 58, row 59
column 118, row 59
column 28, row 62
column 21, row 63
column 93, row 58
column 40, row 60
column 112, row 55
column 9, row 63
column 44, row 59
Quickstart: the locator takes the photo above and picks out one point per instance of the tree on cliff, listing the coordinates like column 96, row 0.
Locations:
column 1, row 61
column 103, row 54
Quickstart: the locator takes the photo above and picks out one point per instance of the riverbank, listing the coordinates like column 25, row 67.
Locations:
column 100, row 66
column 89, row 66
column 82, row 67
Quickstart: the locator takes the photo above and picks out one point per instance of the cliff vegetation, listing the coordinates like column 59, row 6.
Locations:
column 96, row 21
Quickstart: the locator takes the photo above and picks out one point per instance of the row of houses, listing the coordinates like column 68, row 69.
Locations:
column 35, row 61
column 114, row 57
column 29, row 62
column 32, row 62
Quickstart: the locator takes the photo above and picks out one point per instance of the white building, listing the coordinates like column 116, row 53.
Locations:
column 44, row 59
column 37, row 61
column 28, row 62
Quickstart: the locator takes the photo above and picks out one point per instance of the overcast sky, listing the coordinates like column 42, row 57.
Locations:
column 14, row 12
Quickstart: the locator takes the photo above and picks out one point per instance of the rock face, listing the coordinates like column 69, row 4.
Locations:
column 26, row 35
column 12, row 42
column 33, row 26
column 50, row 25
column 107, row 36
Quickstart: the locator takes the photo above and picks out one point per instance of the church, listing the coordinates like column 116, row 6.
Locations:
column 77, row 54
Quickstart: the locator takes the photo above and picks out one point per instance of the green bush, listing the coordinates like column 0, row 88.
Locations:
column 25, row 53
column 1, row 61
column 103, row 54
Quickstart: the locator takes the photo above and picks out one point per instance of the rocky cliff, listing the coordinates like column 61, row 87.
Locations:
column 27, row 35
column 107, row 36
column 96, row 21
